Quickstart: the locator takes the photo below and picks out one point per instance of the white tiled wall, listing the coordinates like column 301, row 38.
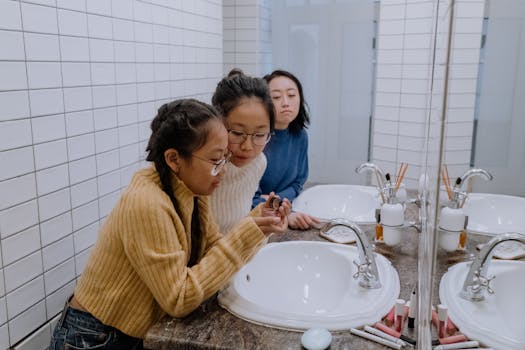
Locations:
column 247, row 36
column 80, row 82
column 404, row 85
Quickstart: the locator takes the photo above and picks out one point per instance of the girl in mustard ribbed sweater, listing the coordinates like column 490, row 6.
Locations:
column 159, row 250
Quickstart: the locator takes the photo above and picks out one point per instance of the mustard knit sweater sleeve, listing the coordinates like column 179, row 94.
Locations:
column 137, row 270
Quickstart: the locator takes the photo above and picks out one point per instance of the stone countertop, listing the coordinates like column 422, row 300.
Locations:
column 211, row 327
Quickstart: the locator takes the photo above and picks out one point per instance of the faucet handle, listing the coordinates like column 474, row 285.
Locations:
column 483, row 282
column 362, row 269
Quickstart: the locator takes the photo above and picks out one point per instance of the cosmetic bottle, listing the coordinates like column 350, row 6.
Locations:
column 442, row 319
column 392, row 219
column 463, row 236
column 451, row 223
column 379, row 226
column 412, row 311
column 399, row 314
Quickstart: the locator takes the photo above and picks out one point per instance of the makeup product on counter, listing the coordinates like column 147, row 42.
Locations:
column 399, row 314
column 412, row 309
column 389, row 318
column 462, row 244
column 384, row 335
column 442, row 319
column 375, row 338
column 451, row 327
column 384, row 328
column 453, row 339
column 275, row 203
column 462, row 345
column 379, row 226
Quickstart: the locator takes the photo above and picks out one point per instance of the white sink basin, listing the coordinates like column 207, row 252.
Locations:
column 352, row 202
column 298, row 285
column 493, row 214
column 497, row 321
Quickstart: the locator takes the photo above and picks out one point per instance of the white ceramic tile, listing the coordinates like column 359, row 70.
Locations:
column 101, row 50
column 82, row 169
column 144, row 52
column 105, row 118
column 79, row 123
column 37, row 340
column 85, row 237
column 15, row 105
column 125, row 74
column 10, row 15
column 104, row 96
column 145, row 72
column 48, row 128
column 27, row 322
column 107, row 162
column 460, row 114
column 44, row 75
column 85, row 215
column 83, row 193
column 458, row 143
column 77, row 98
column 74, row 48
column 22, row 271
column 386, row 113
column 57, row 252
column 387, row 99
column 50, row 154
column 99, row 26
column 162, row 90
column 17, row 218
column 126, row 94
column 76, row 74
column 16, row 133
column 40, row 19
column 124, row 51
column 25, row 296
column 72, row 23
column 468, row 25
column 412, row 100
column 122, row 9
column 54, row 204
column 81, row 260
column 470, row 56
column 470, row 9
column 466, row 41
column 160, row 15
column 12, row 45
column 78, row 5
column 127, row 114
column 161, row 34
column 102, row 73
column 412, row 129
column 3, row 314
column 123, row 30
column 52, row 179
column 41, row 47
column 81, row 146
column 46, row 101
column 106, row 140
column 465, row 100
column 419, row 10
column 56, row 228
column 20, row 162
column 129, row 154
column 108, row 183
column 459, row 129
column 101, row 7
column 50, row 3
column 20, row 244
column 13, row 76
column 383, row 153
column 142, row 11
column 4, row 333
column 55, row 301
column 145, row 92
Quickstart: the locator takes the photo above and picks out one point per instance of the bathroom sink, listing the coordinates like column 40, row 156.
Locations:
column 497, row 321
column 493, row 214
column 352, row 202
column 298, row 285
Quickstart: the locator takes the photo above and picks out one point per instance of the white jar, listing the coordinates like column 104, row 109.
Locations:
column 392, row 218
column 451, row 223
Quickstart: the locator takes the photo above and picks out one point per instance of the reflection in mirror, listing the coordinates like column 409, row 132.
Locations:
column 484, row 131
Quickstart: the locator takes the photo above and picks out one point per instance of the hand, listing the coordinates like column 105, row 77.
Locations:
column 274, row 204
column 271, row 224
column 302, row 221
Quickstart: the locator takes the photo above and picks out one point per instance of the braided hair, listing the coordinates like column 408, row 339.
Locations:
column 235, row 87
column 303, row 116
column 182, row 125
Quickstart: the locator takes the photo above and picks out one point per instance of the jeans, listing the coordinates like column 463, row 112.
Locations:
column 80, row 330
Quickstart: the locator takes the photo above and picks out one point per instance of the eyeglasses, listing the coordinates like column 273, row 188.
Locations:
column 218, row 165
column 258, row 138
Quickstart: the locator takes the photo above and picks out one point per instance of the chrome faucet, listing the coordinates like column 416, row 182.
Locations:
column 366, row 267
column 477, row 280
column 372, row 167
column 459, row 195
column 475, row 172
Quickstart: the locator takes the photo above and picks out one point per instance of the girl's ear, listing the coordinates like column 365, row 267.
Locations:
column 172, row 158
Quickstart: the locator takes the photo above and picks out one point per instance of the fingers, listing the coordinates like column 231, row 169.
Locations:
column 271, row 224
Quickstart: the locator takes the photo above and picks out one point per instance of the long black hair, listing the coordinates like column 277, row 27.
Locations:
column 236, row 86
column 182, row 125
column 303, row 117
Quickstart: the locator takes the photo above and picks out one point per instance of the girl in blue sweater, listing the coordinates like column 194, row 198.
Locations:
column 287, row 151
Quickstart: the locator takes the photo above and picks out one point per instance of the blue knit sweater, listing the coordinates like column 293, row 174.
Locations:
column 287, row 167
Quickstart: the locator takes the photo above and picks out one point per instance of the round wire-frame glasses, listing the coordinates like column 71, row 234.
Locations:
column 257, row 138
column 217, row 165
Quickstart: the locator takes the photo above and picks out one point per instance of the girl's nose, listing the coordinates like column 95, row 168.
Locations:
column 247, row 144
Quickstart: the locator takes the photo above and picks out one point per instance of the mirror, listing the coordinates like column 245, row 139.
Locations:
column 483, row 129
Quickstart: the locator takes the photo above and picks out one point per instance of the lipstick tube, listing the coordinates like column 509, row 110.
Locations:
column 453, row 339
column 399, row 314
column 442, row 319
